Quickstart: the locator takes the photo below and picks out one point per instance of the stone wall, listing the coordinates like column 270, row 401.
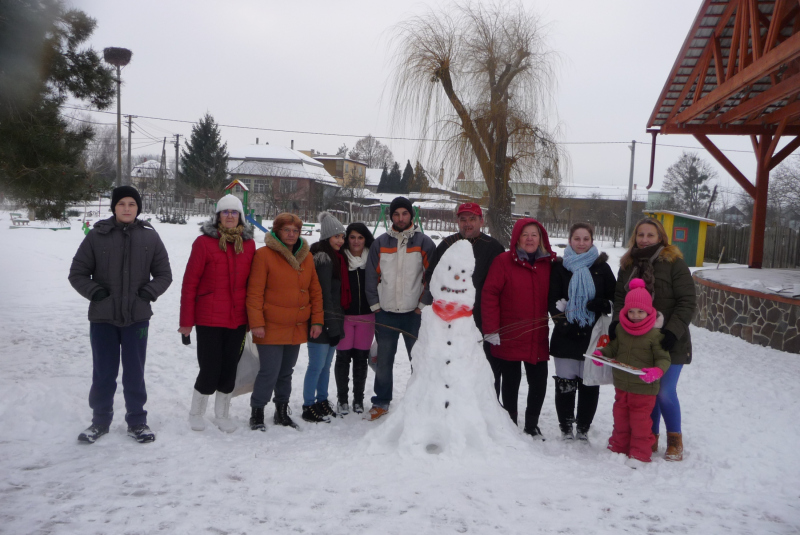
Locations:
column 762, row 319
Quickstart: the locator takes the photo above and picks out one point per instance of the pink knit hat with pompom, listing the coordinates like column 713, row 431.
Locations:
column 638, row 297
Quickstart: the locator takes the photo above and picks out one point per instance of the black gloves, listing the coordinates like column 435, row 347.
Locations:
column 100, row 294
column 144, row 294
column 669, row 340
column 599, row 306
column 333, row 341
column 612, row 330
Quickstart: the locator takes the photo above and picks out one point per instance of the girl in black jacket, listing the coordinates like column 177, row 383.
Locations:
column 581, row 289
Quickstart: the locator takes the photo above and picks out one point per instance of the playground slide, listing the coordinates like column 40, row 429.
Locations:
column 252, row 220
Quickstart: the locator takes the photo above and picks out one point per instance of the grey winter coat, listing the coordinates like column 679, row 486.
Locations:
column 331, row 299
column 121, row 259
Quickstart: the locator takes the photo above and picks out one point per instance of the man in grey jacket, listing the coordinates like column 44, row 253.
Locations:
column 394, row 286
column 121, row 267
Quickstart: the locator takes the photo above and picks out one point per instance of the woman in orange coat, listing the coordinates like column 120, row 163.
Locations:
column 283, row 295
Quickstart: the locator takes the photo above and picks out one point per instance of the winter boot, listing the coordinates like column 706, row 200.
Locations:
column 222, row 407
column 358, row 407
column 281, row 417
column 587, row 407
column 92, row 433
column 674, row 447
column 343, row 408
column 535, row 432
column 325, row 408
column 199, row 404
column 375, row 412
column 257, row 419
column 582, row 433
column 655, row 443
column 141, row 433
column 311, row 413
column 565, row 405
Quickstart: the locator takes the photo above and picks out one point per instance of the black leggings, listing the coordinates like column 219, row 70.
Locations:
column 218, row 353
column 510, row 376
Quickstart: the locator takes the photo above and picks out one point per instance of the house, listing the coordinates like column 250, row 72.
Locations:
column 348, row 173
column 281, row 179
column 150, row 177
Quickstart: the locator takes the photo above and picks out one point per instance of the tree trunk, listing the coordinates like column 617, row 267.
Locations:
column 500, row 220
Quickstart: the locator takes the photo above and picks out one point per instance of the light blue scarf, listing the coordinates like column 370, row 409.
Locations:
column 581, row 287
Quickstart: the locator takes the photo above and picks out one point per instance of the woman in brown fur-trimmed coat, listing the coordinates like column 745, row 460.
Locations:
column 283, row 295
column 669, row 281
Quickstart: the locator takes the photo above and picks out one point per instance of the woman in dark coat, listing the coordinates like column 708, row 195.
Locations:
column 514, row 310
column 581, row 290
column 669, row 281
column 328, row 262
column 213, row 298
column 359, row 321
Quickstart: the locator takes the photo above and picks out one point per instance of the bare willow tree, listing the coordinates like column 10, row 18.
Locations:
column 478, row 81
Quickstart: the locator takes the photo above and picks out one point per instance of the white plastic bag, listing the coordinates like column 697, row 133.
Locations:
column 373, row 356
column 598, row 375
column 248, row 368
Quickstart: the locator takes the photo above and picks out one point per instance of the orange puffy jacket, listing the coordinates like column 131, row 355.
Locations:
column 283, row 293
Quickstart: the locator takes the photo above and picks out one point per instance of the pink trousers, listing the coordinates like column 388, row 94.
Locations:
column 358, row 332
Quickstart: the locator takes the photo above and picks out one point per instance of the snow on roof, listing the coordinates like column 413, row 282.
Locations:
column 149, row 168
column 373, row 176
column 272, row 160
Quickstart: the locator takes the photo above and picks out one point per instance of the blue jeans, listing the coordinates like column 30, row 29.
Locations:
column 408, row 322
column 318, row 373
column 110, row 344
column 667, row 402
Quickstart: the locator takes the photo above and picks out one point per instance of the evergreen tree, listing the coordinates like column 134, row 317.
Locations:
column 393, row 180
column 42, row 64
column 383, row 183
column 420, row 181
column 408, row 178
column 204, row 161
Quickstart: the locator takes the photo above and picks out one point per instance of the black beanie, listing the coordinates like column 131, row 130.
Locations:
column 126, row 191
column 401, row 202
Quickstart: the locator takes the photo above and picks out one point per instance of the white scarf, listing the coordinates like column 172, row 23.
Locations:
column 356, row 262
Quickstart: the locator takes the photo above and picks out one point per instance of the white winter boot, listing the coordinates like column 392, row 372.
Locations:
column 222, row 405
column 199, row 404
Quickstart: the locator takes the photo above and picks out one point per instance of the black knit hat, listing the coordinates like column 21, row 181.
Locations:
column 126, row 191
column 401, row 202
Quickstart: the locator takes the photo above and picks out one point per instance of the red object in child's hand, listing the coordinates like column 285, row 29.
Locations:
column 651, row 374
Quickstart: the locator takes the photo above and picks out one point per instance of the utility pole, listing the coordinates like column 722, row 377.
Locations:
column 629, row 211
column 130, row 124
column 177, row 146
column 119, row 128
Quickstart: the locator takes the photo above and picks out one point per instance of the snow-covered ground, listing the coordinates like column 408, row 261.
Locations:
column 741, row 473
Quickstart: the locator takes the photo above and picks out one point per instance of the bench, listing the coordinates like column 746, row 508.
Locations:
column 17, row 219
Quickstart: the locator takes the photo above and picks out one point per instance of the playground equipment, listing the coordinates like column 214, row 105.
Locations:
column 382, row 217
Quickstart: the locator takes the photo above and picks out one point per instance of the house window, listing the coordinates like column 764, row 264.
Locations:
column 680, row 234
column 260, row 186
column 288, row 187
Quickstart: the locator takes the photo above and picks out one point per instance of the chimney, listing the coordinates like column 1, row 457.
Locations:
column 293, row 144
column 256, row 141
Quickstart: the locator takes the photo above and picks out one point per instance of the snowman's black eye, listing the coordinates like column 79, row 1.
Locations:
column 462, row 271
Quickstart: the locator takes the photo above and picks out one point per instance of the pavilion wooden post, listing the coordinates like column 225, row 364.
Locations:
column 757, row 228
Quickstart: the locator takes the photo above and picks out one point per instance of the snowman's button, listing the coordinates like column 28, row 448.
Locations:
column 447, row 386
column 446, row 404
column 449, row 343
column 448, row 362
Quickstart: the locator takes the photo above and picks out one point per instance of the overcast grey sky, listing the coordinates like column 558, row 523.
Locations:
column 322, row 66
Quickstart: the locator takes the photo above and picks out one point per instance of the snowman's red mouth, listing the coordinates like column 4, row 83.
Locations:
column 451, row 290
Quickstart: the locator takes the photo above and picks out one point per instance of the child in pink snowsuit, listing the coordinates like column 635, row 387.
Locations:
column 638, row 344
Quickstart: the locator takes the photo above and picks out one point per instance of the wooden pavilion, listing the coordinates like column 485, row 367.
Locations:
column 738, row 74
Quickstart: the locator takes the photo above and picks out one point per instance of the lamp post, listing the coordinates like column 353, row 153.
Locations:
column 119, row 57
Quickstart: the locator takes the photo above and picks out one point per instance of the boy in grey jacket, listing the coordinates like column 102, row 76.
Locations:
column 394, row 286
column 121, row 267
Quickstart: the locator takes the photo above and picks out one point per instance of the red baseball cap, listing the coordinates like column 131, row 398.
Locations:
column 470, row 207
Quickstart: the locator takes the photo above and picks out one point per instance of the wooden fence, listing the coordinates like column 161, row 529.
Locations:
column 781, row 246
column 560, row 229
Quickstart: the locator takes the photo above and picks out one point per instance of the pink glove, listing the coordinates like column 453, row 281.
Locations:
column 651, row 374
column 597, row 353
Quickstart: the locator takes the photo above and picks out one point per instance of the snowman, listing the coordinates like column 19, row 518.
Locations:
column 450, row 405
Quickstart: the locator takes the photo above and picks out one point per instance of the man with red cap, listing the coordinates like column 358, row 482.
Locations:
column 485, row 248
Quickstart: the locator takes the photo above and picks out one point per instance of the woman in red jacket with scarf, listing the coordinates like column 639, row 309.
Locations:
column 515, row 321
column 213, row 298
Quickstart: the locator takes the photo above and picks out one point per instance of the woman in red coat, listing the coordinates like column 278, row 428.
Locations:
column 213, row 298
column 514, row 311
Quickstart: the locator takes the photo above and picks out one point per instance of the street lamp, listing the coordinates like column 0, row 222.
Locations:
column 119, row 57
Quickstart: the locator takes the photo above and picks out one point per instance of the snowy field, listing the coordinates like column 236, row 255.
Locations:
column 741, row 473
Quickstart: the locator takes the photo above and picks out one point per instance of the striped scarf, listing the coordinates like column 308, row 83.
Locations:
column 581, row 286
